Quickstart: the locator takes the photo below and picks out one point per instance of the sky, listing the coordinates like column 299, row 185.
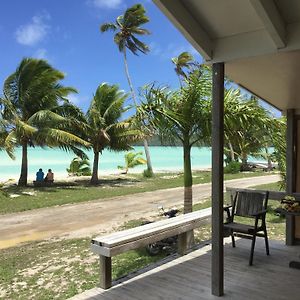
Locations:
column 66, row 33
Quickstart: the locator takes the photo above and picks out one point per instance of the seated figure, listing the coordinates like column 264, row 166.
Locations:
column 40, row 175
column 50, row 176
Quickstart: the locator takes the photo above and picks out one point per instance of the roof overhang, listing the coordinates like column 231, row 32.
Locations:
column 259, row 41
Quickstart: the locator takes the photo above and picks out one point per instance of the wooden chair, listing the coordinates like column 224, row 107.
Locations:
column 248, row 205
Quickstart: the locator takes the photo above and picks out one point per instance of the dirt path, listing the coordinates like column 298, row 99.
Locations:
column 96, row 217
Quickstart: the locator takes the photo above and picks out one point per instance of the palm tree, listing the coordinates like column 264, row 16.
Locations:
column 79, row 167
column 127, row 27
column 243, row 119
column 104, row 128
column 32, row 98
column 132, row 160
column 182, row 116
column 183, row 60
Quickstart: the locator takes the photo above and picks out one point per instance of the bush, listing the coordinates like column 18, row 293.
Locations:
column 147, row 173
column 233, row 167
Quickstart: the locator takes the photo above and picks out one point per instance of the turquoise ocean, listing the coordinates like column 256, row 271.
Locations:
column 163, row 159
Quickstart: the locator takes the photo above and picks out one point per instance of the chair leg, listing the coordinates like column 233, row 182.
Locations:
column 232, row 239
column 266, row 241
column 252, row 250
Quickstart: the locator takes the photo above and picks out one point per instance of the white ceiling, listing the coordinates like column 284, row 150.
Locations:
column 259, row 41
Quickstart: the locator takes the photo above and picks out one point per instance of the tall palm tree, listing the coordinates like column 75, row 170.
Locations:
column 243, row 119
column 104, row 128
column 182, row 116
column 127, row 27
column 183, row 60
column 32, row 98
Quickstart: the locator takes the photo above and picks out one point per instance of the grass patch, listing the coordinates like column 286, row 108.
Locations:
column 62, row 269
column 80, row 191
column 275, row 222
column 59, row 270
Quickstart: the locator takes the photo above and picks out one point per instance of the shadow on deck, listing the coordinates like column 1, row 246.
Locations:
column 189, row 277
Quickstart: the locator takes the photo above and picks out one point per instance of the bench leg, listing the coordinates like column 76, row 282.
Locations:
column 182, row 243
column 105, row 272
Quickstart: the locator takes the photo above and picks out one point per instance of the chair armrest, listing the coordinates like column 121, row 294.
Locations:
column 227, row 209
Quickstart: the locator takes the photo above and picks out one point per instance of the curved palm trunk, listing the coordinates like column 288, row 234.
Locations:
column 231, row 152
column 269, row 159
column 146, row 147
column 94, row 179
column 24, row 166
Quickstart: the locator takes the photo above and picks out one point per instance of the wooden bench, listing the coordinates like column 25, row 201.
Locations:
column 110, row 245
column 43, row 183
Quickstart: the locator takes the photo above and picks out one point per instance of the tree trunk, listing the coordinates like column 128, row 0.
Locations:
column 188, row 179
column 270, row 167
column 147, row 153
column 146, row 148
column 244, row 159
column 24, row 166
column 94, row 179
column 188, row 188
column 231, row 152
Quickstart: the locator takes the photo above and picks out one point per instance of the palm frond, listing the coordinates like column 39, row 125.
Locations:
column 108, row 27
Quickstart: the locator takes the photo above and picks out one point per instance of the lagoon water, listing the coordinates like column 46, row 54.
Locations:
column 163, row 158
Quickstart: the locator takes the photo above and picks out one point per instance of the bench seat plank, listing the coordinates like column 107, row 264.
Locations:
column 112, row 244
column 167, row 227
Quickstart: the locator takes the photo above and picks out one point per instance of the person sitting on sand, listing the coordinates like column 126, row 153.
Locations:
column 50, row 176
column 40, row 175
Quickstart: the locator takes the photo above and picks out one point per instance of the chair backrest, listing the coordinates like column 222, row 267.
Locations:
column 247, row 203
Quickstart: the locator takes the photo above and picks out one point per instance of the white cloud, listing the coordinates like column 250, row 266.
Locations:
column 33, row 32
column 109, row 4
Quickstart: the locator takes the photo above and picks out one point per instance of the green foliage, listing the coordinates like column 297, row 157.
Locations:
column 181, row 115
column 250, row 130
column 80, row 191
column 79, row 167
column 132, row 160
column 279, row 143
column 127, row 27
column 35, row 111
column 183, row 60
column 148, row 173
column 233, row 167
column 104, row 128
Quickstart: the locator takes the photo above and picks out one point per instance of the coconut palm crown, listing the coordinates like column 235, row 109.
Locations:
column 104, row 127
column 183, row 60
column 127, row 27
column 35, row 111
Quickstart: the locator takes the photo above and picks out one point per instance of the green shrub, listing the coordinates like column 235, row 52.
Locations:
column 147, row 173
column 233, row 167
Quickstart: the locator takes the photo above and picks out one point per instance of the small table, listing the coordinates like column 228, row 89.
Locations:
column 293, row 264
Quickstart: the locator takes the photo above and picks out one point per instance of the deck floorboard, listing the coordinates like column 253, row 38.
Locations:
column 189, row 277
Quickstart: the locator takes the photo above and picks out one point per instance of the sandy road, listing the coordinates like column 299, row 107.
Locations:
column 99, row 216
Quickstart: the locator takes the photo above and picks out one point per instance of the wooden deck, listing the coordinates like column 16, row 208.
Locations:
column 189, row 277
